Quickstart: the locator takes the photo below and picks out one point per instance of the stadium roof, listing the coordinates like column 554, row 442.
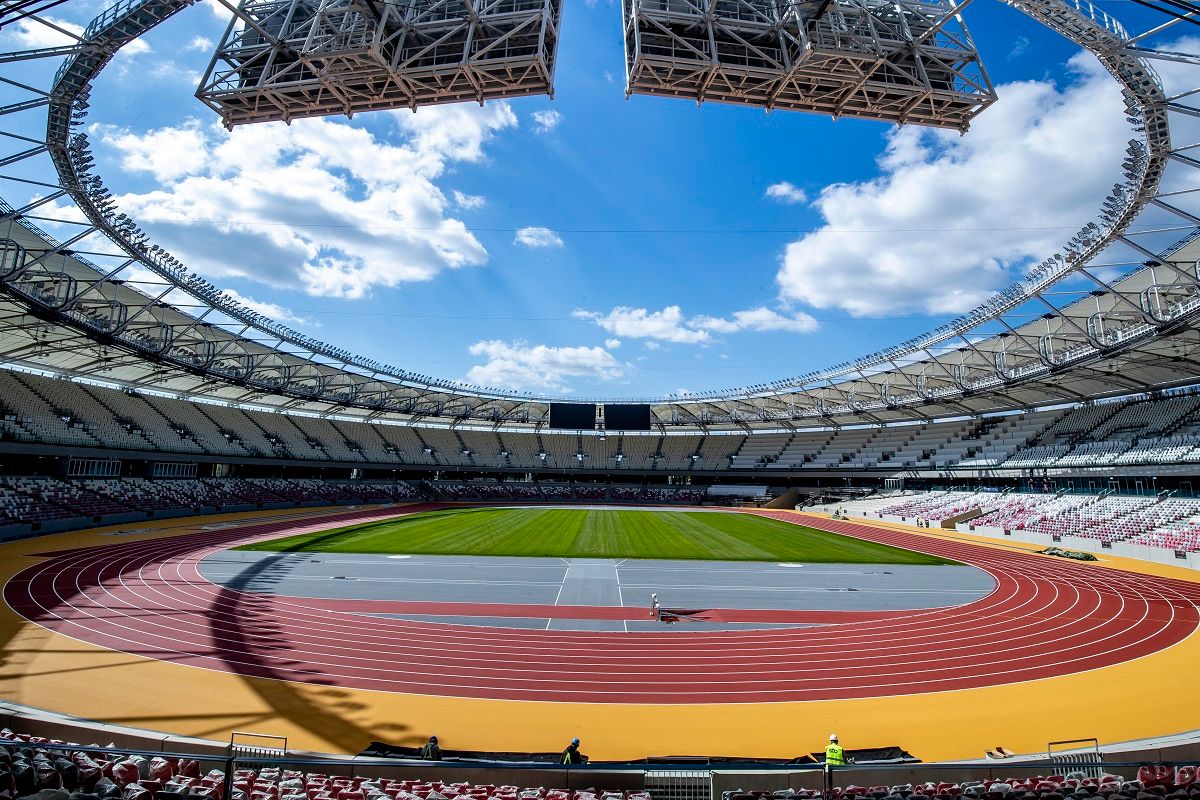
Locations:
column 1118, row 305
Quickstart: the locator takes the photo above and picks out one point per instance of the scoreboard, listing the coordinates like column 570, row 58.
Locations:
column 627, row 417
column 573, row 416
column 616, row 416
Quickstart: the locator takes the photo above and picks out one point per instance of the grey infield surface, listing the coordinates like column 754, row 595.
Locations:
column 597, row 582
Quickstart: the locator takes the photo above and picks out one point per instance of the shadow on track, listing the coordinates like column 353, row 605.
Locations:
column 243, row 619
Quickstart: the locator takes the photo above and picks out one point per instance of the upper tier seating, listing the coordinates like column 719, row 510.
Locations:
column 41, row 410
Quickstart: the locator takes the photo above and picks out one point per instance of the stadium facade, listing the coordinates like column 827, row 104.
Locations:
column 125, row 398
column 1111, row 316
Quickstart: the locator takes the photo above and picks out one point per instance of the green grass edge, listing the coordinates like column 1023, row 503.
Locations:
column 335, row 540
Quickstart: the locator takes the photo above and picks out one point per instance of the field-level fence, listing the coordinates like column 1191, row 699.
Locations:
column 1077, row 755
column 662, row 779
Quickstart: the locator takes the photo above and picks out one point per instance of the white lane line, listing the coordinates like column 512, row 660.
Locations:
column 168, row 583
column 620, row 594
column 787, row 589
column 561, row 585
column 417, row 562
column 777, row 570
column 259, row 580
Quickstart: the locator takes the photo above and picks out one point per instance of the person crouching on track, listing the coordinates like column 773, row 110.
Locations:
column 835, row 756
column 572, row 755
column 431, row 751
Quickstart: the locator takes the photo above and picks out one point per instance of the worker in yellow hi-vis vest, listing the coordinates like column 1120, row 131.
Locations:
column 835, row 756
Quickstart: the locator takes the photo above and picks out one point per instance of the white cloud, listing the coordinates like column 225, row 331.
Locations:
column 652, row 345
column 537, row 237
column 786, row 192
column 516, row 365
column 33, row 34
column 165, row 69
column 546, row 121
column 612, row 344
column 166, row 153
column 319, row 205
column 1015, row 188
column 758, row 319
column 640, row 323
column 468, row 201
column 219, row 9
column 670, row 324
column 134, row 48
column 200, row 43
column 273, row 310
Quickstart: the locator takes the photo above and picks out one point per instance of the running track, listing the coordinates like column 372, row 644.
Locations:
column 1046, row 617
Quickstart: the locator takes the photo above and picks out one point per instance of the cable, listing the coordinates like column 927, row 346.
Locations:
column 625, row 231
column 1191, row 10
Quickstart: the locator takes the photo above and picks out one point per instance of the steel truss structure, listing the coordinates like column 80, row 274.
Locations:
column 285, row 59
column 906, row 61
column 1115, row 311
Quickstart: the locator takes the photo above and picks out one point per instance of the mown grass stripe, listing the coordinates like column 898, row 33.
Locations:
column 584, row 533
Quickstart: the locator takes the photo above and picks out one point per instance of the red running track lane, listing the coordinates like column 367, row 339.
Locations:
column 1046, row 617
column 618, row 613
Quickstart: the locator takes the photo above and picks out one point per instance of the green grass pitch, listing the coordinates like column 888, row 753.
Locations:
column 581, row 533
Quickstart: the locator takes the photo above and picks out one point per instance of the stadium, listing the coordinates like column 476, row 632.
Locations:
column 241, row 563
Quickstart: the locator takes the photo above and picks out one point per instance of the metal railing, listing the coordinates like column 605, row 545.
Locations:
column 717, row 773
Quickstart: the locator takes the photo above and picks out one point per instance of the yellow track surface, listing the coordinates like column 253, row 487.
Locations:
column 1138, row 699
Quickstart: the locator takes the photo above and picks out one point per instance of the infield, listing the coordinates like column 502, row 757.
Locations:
column 592, row 533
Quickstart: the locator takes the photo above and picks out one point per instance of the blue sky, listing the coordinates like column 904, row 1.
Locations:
column 609, row 247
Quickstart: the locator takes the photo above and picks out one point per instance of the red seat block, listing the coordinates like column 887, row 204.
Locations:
column 135, row 792
column 125, row 773
column 1155, row 775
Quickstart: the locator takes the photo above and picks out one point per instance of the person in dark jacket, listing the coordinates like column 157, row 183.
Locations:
column 572, row 755
column 431, row 751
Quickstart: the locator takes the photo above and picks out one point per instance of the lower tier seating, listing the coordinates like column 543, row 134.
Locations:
column 1153, row 781
column 1153, row 521
column 30, row 772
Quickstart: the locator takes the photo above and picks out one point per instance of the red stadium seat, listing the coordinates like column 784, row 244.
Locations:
column 135, row 792
column 1155, row 775
column 161, row 770
column 125, row 773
